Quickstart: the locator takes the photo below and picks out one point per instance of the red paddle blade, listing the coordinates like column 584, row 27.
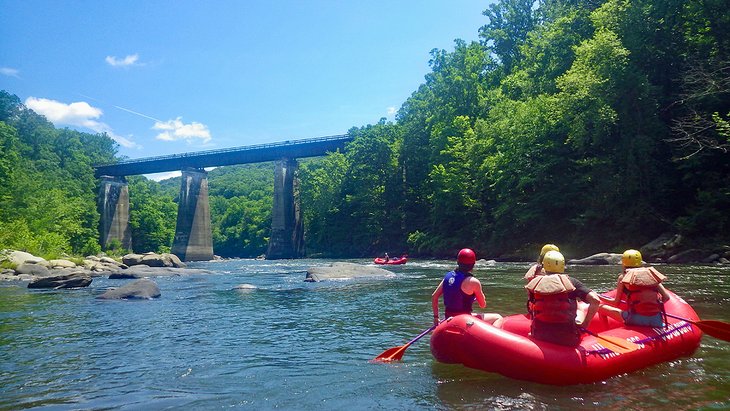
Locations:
column 717, row 329
column 392, row 354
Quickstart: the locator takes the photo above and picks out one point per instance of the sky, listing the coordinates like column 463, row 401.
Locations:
column 168, row 77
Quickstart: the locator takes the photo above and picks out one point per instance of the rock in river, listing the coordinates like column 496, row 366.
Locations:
column 138, row 289
column 341, row 271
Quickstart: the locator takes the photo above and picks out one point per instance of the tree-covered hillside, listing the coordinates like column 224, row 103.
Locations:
column 596, row 125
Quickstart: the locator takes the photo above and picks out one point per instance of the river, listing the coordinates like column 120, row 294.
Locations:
column 283, row 343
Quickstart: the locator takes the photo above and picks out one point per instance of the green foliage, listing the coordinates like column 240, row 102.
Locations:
column 7, row 264
column 241, row 199
column 591, row 124
column 47, row 185
column 152, row 216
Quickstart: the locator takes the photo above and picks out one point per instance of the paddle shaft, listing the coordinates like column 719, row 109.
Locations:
column 717, row 329
column 396, row 353
column 422, row 334
column 681, row 318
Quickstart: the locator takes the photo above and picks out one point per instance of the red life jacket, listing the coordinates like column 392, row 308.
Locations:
column 549, row 299
column 642, row 290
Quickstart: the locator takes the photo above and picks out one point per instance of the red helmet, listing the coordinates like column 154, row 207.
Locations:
column 466, row 256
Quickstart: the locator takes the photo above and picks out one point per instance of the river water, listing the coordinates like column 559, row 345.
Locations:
column 283, row 343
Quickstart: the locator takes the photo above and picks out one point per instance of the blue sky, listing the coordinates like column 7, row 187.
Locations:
column 165, row 77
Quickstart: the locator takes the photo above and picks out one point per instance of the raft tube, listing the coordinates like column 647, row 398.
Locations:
column 510, row 350
column 392, row 261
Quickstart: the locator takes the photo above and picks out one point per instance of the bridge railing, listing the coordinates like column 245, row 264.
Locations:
column 287, row 143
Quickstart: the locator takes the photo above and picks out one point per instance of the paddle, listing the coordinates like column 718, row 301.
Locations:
column 717, row 329
column 396, row 353
column 615, row 344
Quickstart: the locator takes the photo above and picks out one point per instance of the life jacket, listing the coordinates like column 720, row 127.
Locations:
column 534, row 271
column 456, row 301
column 642, row 291
column 549, row 299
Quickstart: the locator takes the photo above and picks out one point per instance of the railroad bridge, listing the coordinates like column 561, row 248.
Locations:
column 193, row 235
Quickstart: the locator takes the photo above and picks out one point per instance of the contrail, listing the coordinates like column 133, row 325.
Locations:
column 120, row 108
column 138, row 114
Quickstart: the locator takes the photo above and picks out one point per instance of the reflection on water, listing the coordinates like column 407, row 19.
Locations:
column 254, row 335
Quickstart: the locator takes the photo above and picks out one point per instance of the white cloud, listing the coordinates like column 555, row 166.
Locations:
column 10, row 72
column 173, row 130
column 130, row 60
column 392, row 111
column 79, row 114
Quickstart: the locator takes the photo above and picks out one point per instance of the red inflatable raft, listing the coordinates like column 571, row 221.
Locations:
column 510, row 350
column 392, row 261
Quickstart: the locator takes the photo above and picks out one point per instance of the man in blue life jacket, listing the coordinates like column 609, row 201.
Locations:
column 460, row 289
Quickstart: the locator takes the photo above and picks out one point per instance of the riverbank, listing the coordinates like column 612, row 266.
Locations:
column 76, row 272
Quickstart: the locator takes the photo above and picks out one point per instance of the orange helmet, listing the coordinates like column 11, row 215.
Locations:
column 467, row 257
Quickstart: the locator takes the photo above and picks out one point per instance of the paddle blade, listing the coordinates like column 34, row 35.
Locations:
column 392, row 354
column 616, row 344
column 717, row 329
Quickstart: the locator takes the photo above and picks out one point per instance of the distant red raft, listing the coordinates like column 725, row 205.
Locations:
column 391, row 261
column 510, row 351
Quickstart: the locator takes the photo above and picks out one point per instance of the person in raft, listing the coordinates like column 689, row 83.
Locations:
column 537, row 269
column 645, row 294
column 460, row 289
column 553, row 302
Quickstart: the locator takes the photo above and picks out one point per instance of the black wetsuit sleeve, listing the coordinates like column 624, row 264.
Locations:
column 581, row 291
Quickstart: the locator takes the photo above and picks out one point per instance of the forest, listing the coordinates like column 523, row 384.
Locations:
column 596, row 125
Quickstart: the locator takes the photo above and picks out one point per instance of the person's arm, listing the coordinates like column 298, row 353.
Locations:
column 435, row 301
column 531, row 272
column 593, row 302
column 619, row 294
column 476, row 288
column 664, row 293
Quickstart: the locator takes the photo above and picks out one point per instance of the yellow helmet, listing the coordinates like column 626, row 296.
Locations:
column 546, row 248
column 631, row 258
column 554, row 262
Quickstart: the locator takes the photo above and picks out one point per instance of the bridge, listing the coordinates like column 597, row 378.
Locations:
column 193, row 235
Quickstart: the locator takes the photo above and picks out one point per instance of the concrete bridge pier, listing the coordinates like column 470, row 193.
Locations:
column 287, row 226
column 193, row 235
column 113, row 205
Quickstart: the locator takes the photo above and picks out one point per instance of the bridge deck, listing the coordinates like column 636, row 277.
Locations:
column 312, row 147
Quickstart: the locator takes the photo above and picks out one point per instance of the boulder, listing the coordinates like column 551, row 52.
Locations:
column 153, row 260
column 143, row 289
column 142, row 271
column 661, row 247
column 598, row 259
column 341, row 271
column 33, row 269
column 60, row 264
column 132, row 259
column 21, row 257
column 109, row 260
column 72, row 280
column 692, row 255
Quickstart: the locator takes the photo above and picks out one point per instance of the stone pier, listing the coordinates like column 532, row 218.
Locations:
column 287, row 226
column 193, row 235
column 114, row 210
